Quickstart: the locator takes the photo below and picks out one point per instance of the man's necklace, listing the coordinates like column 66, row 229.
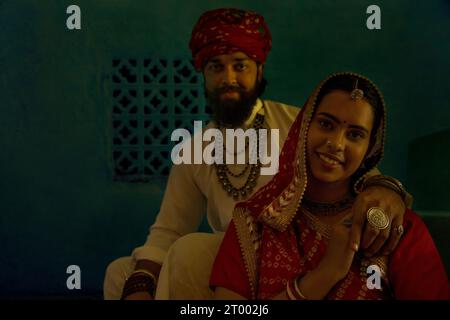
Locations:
column 223, row 171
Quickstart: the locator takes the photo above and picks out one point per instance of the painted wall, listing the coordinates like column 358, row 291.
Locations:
column 58, row 203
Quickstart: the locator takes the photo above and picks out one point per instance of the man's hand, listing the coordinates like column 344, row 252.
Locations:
column 147, row 269
column 374, row 241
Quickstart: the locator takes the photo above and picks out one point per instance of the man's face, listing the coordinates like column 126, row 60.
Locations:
column 231, row 86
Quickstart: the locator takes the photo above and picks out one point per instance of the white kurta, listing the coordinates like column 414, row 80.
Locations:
column 193, row 190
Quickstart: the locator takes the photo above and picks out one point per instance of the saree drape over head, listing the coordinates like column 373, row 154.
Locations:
column 271, row 240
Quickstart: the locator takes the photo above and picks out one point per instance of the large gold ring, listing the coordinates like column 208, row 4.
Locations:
column 377, row 218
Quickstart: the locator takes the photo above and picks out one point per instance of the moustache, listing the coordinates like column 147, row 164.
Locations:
column 228, row 89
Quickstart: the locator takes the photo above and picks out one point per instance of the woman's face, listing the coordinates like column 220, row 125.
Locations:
column 338, row 137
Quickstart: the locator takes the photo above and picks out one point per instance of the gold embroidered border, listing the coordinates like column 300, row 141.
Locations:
column 249, row 239
column 282, row 210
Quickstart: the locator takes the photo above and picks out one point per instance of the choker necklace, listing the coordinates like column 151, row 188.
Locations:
column 327, row 208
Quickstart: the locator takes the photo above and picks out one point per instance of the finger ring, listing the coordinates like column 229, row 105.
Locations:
column 400, row 230
column 377, row 218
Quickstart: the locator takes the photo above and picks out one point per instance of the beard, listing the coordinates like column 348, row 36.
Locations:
column 232, row 113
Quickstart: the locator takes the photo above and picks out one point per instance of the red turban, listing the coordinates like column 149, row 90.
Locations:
column 226, row 31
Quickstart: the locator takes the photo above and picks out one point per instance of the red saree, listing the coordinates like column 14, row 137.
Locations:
column 415, row 270
column 272, row 239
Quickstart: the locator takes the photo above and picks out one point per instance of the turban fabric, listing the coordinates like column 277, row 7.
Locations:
column 226, row 31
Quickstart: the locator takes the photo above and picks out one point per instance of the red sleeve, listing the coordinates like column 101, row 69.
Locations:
column 416, row 269
column 229, row 270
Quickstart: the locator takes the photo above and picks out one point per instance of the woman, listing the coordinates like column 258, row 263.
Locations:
column 291, row 239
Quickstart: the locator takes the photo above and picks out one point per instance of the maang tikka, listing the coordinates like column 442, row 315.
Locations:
column 356, row 93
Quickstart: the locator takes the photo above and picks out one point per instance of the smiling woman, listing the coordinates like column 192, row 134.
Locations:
column 341, row 134
column 338, row 141
column 291, row 239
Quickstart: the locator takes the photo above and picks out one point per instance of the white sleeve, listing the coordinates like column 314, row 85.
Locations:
column 182, row 209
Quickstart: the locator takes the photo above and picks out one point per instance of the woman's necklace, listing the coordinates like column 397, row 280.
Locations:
column 327, row 208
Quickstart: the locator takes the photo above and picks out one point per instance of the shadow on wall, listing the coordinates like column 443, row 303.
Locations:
column 429, row 183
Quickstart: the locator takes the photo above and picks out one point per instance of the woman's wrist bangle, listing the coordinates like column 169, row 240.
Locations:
column 293, row 290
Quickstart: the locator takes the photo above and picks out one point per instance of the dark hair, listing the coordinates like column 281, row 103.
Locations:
column 347, row 82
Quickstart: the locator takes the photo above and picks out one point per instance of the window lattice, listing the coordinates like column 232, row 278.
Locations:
column 151, row 98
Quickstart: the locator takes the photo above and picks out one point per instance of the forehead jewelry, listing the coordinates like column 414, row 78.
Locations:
column 356, row 94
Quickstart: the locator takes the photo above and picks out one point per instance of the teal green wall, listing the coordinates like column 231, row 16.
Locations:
column 58, row 203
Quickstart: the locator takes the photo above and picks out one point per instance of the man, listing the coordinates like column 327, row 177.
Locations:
column 229, row 47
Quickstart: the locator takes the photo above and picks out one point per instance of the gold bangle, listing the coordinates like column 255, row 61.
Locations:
column 289, row 292
column 297, row 288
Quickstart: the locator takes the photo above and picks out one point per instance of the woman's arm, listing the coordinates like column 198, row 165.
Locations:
column 315, row 285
